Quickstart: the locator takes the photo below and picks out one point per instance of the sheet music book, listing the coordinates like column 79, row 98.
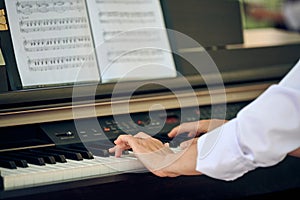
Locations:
column 67, row 41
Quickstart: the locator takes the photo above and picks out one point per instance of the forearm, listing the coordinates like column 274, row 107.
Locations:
column 295, row 153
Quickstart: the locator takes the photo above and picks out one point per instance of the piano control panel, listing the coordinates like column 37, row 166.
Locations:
column 156, row 124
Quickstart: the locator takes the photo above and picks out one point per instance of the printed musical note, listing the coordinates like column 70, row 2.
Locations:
column 57, row 43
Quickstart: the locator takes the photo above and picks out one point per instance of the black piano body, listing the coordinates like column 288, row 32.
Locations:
column 263, row 183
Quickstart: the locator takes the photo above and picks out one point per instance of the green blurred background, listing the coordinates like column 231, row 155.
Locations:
column 249, row 23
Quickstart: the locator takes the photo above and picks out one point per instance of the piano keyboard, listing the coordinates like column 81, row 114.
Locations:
column 68, row 160
column 35, row 175
column 62, row 170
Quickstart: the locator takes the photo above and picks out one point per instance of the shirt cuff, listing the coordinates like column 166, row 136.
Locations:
column 219, row 154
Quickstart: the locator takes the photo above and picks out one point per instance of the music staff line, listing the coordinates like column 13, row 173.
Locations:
column 122, row 21
column 131, row 36
column 59, row 67
column 116, row 17
column 32, row 7
column 27, row 26
column 48, row 44
column 53, row 63
column 118, row 14
column 135, row 56
column 137, row 60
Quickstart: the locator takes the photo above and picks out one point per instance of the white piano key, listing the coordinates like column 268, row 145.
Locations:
column 38, row 174
column 104, row 164
column 8, row 178
column 71, row 170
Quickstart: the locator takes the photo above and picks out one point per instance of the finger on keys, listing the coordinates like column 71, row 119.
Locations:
column 123, row 141
column 189, row 128
column 117, row 151
column 122, row 144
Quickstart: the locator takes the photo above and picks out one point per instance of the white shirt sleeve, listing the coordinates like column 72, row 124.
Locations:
column 261, row 135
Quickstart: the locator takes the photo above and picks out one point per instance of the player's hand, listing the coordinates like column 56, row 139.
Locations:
column 195, row 129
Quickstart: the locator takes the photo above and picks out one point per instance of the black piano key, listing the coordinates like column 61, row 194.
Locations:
column 126, row 152
column 164, row 138
column 19, row 162
column 8, row 164
column 57, row 156
column 99, row 152
column 173, row 142
column 68, row 154
column 102, row 149
column 30, row 159
column 102, row 145
column 48, row 159
column 80, row 149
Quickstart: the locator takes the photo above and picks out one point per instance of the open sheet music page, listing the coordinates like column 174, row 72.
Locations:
column 52, row 41
column 130, row 40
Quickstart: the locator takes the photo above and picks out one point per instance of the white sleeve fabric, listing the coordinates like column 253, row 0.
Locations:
column 261, row 135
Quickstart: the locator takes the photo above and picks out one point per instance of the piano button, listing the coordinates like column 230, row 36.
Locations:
column 106, row 129
column 68, row 154
column 8, row 164
column 58, row 157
